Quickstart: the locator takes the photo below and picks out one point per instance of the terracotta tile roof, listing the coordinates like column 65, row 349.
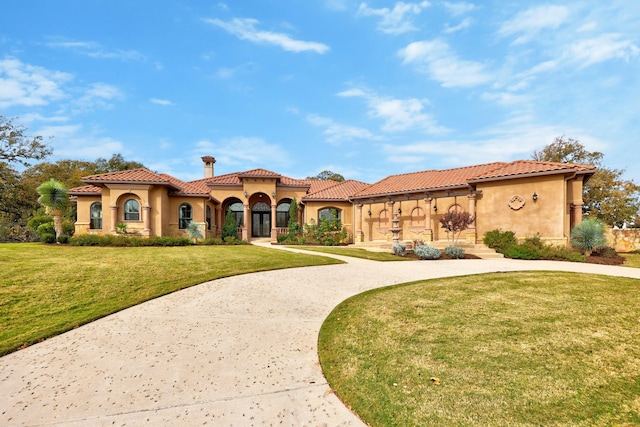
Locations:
column 339, row 191
column 186, row 188
column 433, row 180
column 430, row 180
column 259, row 173
column 84, row 190
column 531, row 167
column 141, row 175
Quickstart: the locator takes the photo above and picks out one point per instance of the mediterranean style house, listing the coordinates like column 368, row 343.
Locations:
column 527, row 197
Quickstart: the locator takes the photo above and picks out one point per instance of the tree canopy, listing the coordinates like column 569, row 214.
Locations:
column 17, row 146
column 607, row 195
column 328, row 175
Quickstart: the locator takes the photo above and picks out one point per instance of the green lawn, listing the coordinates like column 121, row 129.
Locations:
column 48, row 289
column 507, row 349
column 633, row 260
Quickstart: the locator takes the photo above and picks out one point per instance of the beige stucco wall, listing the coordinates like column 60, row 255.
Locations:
column 83, row 219
column 498, row 208
column 311, row 210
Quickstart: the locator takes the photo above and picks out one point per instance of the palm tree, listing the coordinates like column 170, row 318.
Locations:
column 55, row 198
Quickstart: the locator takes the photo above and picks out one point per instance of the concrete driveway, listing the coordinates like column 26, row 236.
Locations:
column 239, row 351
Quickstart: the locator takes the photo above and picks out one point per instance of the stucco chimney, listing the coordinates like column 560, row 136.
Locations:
column 208, row 166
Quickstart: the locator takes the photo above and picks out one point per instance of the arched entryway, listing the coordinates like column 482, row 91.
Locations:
column 261, row 220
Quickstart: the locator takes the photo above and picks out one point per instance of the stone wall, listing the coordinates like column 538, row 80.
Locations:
column 623, row 240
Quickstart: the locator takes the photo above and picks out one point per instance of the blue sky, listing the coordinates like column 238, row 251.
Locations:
column 366, row 89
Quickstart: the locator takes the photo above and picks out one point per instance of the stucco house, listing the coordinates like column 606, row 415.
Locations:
column 527, row 197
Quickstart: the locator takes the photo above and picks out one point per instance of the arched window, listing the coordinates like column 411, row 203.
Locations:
column 383, row 219
column 208, row 217
column 417, row 217
column 185, row 216
column 282, row 214
column 329, row 214
column 131, row 210
column 237, row 210
column 95, row 213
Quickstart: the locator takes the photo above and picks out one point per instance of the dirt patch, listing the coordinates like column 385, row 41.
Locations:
column 617, row 260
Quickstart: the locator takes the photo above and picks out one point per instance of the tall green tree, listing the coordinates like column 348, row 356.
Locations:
column 607, row 195
column 55, row 198
column 328, row 176
column 115, row 164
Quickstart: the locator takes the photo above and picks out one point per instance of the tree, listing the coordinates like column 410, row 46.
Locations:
column 16, row 146
column 455, row 222
column 606, row 196
column 230, row 226
column 55, row 198
column 115, row 164
column 328, row 176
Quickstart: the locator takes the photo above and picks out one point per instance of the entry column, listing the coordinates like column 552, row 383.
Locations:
column 359, row 235
column 274, row 230
column 245, row 226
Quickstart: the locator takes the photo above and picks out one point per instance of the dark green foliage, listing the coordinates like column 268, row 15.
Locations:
column 63, row 239
column 523, row 251
column 605, row 252
column 211, row 242
column 230, row 226
column 124, row 241
column 48, row 237
column 500, row 240
column 327, row 232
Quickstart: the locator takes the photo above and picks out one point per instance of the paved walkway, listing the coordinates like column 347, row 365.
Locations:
column 239, row 351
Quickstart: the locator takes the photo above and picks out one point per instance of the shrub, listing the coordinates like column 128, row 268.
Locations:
column 500, row 240
column 427, row 252
column 454, row 252
column 523, row 251
column 48, row 237
column 230, row 226
column 399, row 249
column 605, row 252
column 455, row 223
column 64, row 239
column 587, row 235
column 211, row 241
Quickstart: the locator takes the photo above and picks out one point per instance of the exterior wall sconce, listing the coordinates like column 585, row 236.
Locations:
column 535, row 196
column 435, row 208
column 399, row 211
column 273, row 194
column 246, row 194
column 369, row 212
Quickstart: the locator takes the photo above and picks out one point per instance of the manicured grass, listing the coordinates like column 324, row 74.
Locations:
column 354, row 252
column 633, row 260
column 48, row 289
column 507, row 349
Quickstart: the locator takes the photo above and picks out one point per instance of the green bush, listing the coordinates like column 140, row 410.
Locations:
column 230, row 226
column 64, row 239
column 500, row 240
column 48, row 237
column 399, row 249
column 523, row 252
column 605, row 252
column 454, row 252
column 211, row 241
column 427, row 252
column 588, row 235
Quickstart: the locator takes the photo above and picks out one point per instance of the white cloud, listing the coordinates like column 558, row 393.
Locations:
column 531, row 21
column 397, row 114
column 28, row 85
column 97, row 96
column 600, row 49
column 336, row 132
column 94, row 50
column 338, row 5
column 245, row 29
column 436, row 59
column 458, row 8
column 466, row 23
column 73, row 141
column 397, row 20
column 163, row 102
column 242, row 150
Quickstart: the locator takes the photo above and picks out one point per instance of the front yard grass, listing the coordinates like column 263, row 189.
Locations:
column 516, row 349
column 632, row 260
column 48, row 289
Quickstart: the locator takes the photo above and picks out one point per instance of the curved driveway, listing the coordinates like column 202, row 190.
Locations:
column 240, row 351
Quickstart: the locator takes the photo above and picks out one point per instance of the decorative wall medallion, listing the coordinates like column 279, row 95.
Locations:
column 516, row 202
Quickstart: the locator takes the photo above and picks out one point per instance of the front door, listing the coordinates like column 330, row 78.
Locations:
column 261, row 220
